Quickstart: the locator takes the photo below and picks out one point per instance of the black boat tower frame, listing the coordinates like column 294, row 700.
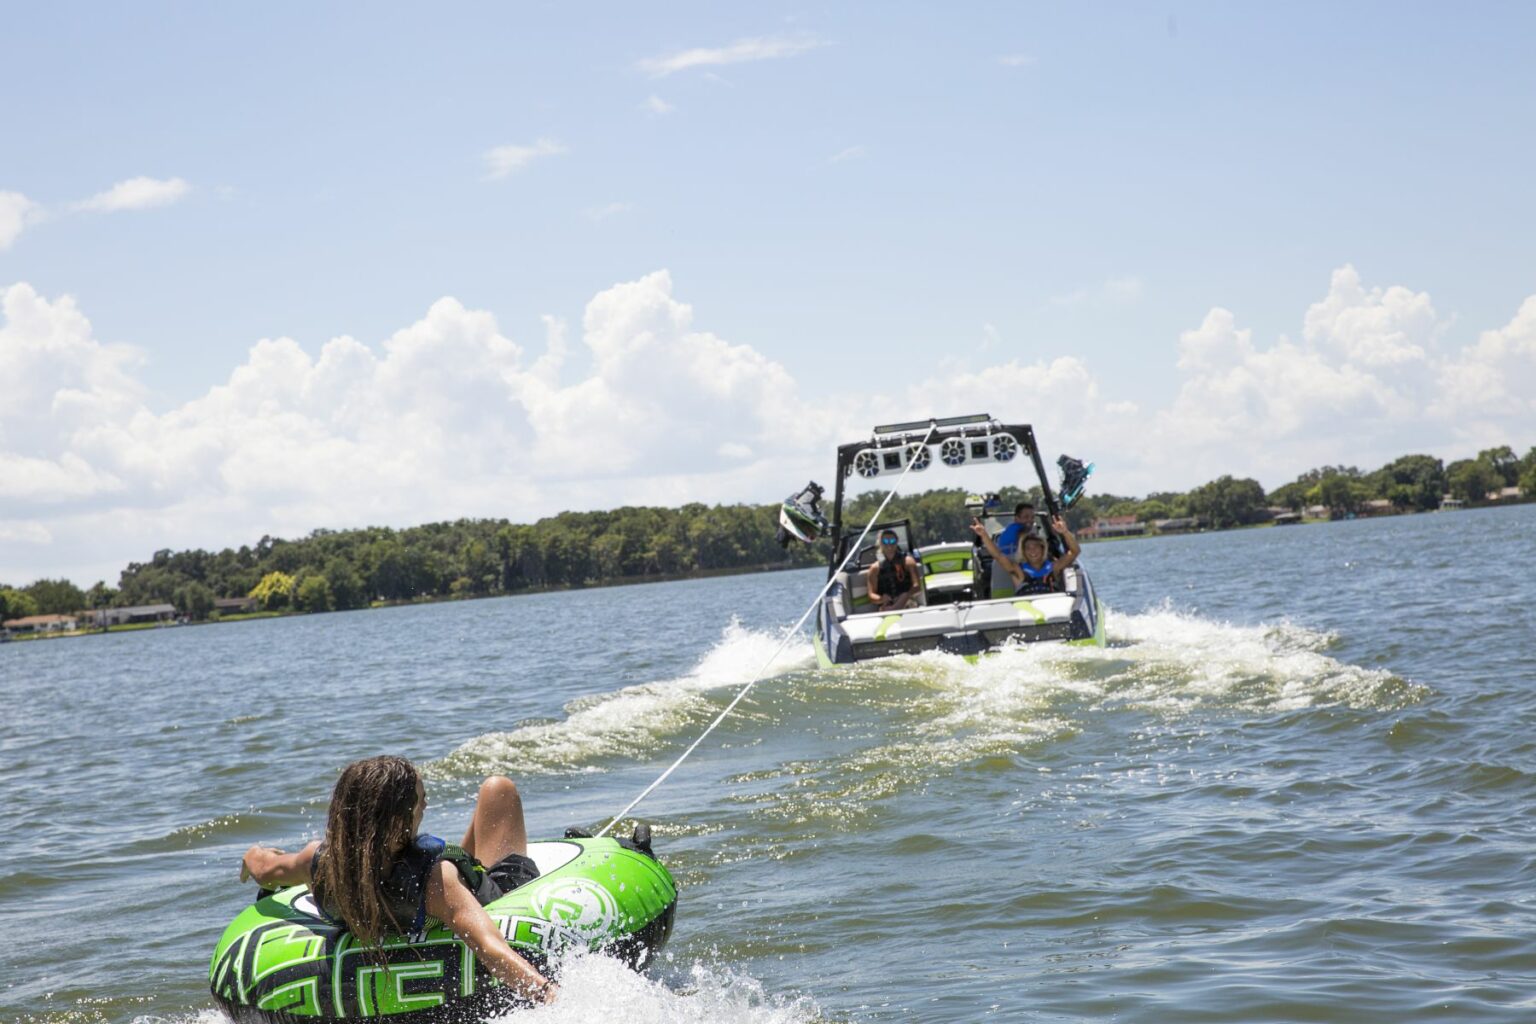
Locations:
column 900, row 435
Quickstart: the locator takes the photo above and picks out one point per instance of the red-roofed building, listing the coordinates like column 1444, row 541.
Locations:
column 1114, row 526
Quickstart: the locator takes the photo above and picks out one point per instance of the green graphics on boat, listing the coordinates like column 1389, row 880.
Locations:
column 283, row 960
column 963, row 600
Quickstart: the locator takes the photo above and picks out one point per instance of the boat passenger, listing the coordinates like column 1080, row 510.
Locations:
column 1034, row 573
column 893, row 578
column 377, row 872
column 1024, row 523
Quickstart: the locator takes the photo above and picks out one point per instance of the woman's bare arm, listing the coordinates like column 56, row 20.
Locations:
column 456, row 907
column 1012, row 567
column 271, row 867
column 1073, row 547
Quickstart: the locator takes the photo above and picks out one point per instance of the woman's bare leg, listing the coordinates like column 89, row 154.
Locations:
column 497, row 827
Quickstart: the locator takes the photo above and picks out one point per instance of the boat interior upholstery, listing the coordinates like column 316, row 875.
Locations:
column 948, row 572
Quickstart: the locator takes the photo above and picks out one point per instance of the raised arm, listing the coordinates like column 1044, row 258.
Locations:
column 1012, row 567
column 456, row 907
column 1073, row 548
column 272, row 868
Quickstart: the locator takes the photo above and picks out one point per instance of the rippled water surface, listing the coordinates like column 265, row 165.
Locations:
column 1299, row 785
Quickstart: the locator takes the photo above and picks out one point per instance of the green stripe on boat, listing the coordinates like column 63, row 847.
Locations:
column 1029, row 607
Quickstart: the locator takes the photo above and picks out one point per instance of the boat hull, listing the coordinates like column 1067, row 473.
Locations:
column 968, row 629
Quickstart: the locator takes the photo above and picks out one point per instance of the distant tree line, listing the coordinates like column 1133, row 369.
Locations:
column 333, row 570
column 1412, row 483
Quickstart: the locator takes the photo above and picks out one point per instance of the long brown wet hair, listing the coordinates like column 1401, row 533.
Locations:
column 372, row 810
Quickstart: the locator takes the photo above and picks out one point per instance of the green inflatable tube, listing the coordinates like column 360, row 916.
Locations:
column 281, row 960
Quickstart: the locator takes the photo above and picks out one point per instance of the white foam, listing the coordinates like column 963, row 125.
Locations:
column 1171, row 663
column 1181, row 659
column 600, row 988
column 634, row 720
column 1164, row 660
column 596, row 988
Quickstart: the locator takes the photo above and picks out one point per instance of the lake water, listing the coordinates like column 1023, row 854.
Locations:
column 1299, row 785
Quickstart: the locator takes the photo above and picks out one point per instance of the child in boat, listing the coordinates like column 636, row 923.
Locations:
column 376, row 872
column 1034, row 573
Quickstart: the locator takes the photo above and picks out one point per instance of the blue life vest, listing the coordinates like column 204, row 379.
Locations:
column 1036, row 581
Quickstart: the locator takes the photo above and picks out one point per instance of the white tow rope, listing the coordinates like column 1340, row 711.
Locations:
column 794, row 630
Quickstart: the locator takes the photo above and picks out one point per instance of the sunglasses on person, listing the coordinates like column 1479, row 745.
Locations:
column 887, row 540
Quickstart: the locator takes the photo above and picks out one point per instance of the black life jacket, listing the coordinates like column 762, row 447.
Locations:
column 1036, row 581
column 895, row 578
column 405, row 886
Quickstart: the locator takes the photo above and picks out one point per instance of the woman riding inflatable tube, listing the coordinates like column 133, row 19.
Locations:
column 407, row 944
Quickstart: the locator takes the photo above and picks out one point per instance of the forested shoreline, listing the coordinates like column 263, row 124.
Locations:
column 335, row 570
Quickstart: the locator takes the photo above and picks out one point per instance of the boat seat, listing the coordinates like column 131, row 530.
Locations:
column 856, row 592
column 1001, row 582
column 948, row 568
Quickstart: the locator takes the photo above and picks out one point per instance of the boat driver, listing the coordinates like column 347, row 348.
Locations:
column 892, row 579
column 1024, row 524
column 1033, row 573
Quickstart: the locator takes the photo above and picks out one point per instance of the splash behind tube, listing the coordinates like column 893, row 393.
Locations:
column 280, row 960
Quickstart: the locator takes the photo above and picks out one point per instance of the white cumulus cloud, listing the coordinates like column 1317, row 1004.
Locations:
column 136, row 194
column 1493, row 382
column 1375, row 327
column 446, row 417
column 17, row 213
column 1368, row 379
column 501, row 161
column 25, row 533
column 450, row 417
column 738, row 52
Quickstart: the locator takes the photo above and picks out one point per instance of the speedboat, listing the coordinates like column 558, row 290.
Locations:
column 965, row 603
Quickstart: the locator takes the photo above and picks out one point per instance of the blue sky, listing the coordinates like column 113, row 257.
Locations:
column 883, row 194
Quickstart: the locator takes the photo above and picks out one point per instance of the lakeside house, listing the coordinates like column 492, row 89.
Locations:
column 42, row 624
column 1503, row 494
column 1114, row 526
column 235, row 605
column 1181, row 524
column 1376, row 507
column 138, row 613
